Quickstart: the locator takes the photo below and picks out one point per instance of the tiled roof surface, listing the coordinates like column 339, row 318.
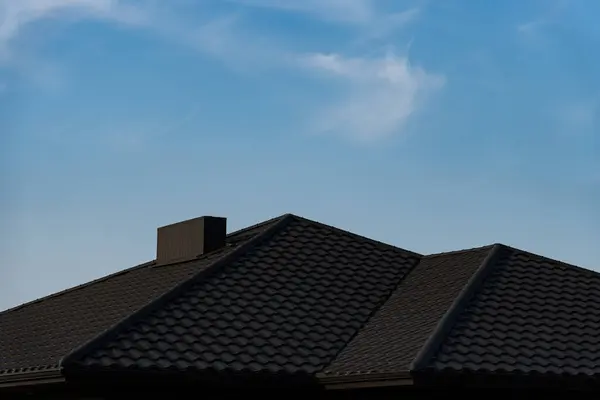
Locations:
column 288, row 305
column 294, row 296
column 532, row 315
column 36, row 335
column 394, row 335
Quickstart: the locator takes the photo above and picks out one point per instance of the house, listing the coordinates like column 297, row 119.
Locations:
column 296, row 305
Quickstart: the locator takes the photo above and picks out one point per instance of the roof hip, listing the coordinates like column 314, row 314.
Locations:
column 445, row 323
column 174, row 292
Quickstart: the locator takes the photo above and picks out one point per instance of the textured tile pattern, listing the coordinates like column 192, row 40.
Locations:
column 532, row 315
column 289, row 305
column 36, row 335
column 395, row 334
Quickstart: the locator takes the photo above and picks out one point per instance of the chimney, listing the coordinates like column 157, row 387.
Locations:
column 186, row 240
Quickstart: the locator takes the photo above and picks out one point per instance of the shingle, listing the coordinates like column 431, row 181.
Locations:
column 532, row 315
column 394, row 335
column 295, row 301
column 37, row 334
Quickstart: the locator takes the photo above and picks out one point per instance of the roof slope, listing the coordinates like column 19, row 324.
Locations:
column 296, row 297
column 532, row 315
column 36, row 335
column 290, row 304
column 395, row 335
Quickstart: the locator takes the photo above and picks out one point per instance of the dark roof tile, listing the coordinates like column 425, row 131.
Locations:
column 531, row 315
column 394, row 335
column 292, row 296
column 290, row 304
column 37, row 334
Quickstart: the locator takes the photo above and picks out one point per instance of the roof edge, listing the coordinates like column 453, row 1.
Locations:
column 173, row 292
column 354, row 235
column 256, row 225
column 461, row 251
column 555, row 261
column 367, row 380
column 76, row 287
column 126, row 270
column 46, row 376
column 445, row 323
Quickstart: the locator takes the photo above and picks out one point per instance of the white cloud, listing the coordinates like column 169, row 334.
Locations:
column 385, row 25
column 531, row 27
column 384, row 94
column 15, row 15
column 552, row 12
column 373, row 22
column 224, row 38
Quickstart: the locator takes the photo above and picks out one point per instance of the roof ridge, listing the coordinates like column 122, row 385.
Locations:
column 454, row 252
column 127, row 270
column 174, row 291
column 257, row 225
column 354, row 235
column 446, row 322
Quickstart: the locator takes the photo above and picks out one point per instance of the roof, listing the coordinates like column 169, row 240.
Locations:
column 288, row 304
column 294, row 297
column 36, row 335
column 532, row 315
column 398, row 331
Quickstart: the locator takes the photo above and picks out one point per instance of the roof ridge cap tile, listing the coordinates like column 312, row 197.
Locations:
column 461, row 251
column 354, row 235
column 256, row 225
column 72, row 356
column 446, row 322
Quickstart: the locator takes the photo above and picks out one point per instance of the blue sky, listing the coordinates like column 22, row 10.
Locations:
column 430, row 125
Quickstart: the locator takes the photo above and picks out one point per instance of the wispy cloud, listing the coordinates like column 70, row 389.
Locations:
column 347, row 11
column 16, row 15
column 531, row 27
column 365, row 15
column 579, row 116
column 219, row 36
column 381, row 93
column 384, row 94
column 225, row 39
column 547, row 17
column 386, row 24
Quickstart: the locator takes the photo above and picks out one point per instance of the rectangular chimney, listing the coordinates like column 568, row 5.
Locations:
column 186, row 240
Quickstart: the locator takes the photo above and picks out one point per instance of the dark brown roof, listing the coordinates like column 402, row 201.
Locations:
column 532, row 315
column 36, row 335
column 296, row 297
column 288, row 304
column 398, row 331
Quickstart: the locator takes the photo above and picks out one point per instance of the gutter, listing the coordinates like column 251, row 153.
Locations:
column 29, row 378
column 373, row 380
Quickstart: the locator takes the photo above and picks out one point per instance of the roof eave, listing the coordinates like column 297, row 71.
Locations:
column 30, row 378
column 359, row 381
